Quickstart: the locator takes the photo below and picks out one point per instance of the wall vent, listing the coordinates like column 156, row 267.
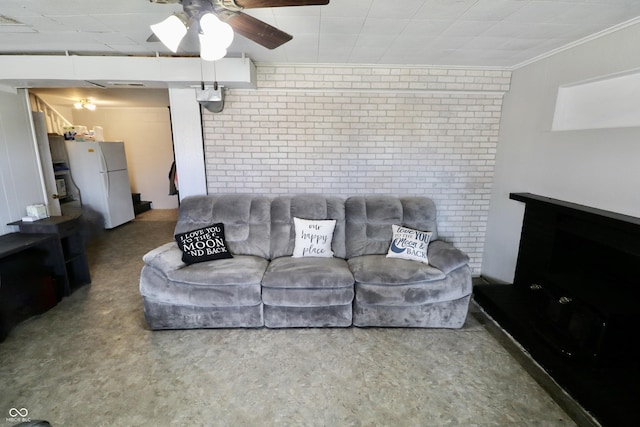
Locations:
column 126, row 84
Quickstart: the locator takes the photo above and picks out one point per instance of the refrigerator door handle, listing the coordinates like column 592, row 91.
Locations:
column 103, row 162
column 105, row 183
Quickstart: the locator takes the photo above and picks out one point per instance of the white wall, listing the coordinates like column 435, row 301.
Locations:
column 20, row 182
column 147, row 136
column 364, row 130
column 598, row 168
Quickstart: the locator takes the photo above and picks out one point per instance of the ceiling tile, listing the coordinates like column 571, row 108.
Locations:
column 536, row 11
column 297, row 26
column 492, row 10
column 340, row 25
column 348, row 8
column 388, row 27
column 467, row 28
column 385, row 9
column 487, row 33
column 444, row 9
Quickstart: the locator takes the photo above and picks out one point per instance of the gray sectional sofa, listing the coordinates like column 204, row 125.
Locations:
column 268, row 283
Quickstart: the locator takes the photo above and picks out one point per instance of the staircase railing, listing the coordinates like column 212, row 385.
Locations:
column 55, row 121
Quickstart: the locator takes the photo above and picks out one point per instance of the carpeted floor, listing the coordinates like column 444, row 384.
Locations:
column 91, row 361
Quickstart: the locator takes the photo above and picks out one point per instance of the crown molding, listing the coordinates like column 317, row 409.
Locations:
column 587, row 39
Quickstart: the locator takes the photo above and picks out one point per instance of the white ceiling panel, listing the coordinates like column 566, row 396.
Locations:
column 340, row 25
column 492, row 10
column 384, row 9
column 350, row 8
column 485, row 33
column 540, row 12
column 444, row 9
column 386, row 27
column 467, row 28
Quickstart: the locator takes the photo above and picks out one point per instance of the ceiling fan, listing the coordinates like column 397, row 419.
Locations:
column 230, row 12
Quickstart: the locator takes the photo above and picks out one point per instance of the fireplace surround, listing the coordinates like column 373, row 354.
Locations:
column 574, row 300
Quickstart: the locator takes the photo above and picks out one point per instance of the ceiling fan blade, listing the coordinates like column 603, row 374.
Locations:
column 254, row 4
column 258, row 31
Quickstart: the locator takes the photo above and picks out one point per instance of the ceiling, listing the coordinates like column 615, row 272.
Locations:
column 470, row 33
column 104, row 98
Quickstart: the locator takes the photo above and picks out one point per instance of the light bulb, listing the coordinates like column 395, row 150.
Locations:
column 209, row 49
column 209, row 22
column 225, row 35
column 220, row 31
column 171, row 31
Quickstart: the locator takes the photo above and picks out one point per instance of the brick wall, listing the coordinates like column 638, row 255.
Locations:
column 365, row 130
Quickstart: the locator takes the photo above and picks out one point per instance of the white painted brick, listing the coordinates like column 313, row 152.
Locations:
column 348, row 130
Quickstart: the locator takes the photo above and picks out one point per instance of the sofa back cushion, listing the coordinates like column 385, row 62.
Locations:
column 307, row 206
column 246, row 220
column 369, row 220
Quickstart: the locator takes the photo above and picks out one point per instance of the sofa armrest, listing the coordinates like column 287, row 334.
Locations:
column 165, row 258
column 445, row 257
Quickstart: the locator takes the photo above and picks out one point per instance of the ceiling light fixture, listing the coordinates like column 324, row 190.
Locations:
column 215, row 36
column 172, row 30
column 86, row 104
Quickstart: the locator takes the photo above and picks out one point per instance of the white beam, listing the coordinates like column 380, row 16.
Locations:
column 24, row 71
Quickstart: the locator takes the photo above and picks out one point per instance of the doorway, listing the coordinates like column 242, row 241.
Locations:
column 139, row 117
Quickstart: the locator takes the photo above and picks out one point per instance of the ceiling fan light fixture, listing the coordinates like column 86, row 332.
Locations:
column 210, row 49
column 209, row 22
column 172, row 30
column 211, row 25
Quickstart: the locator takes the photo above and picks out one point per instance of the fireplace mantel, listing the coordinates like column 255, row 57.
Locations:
column 573, row 302
column 598, row 215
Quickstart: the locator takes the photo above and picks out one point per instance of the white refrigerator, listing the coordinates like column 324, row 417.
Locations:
column 99, row 170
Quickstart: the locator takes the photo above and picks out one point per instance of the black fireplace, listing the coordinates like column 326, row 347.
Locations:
column 574, row 303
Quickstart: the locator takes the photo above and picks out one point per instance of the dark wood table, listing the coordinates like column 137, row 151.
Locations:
column 68, row 230
column 32, row 276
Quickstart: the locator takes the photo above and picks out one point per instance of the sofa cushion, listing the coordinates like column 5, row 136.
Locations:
column 203, row 244
column 409, row 244
column 246, row 219
column 310, row 207
column 313, row 237
column 392, row 281
column 226, row 282
column 369, row 220
column 381, row 270
column 307, row 282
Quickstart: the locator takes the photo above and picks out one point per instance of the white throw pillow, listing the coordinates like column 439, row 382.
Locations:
column 313, row 238
column 410, row 244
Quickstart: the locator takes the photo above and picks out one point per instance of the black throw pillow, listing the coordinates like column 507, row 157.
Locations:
column 204, row 244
